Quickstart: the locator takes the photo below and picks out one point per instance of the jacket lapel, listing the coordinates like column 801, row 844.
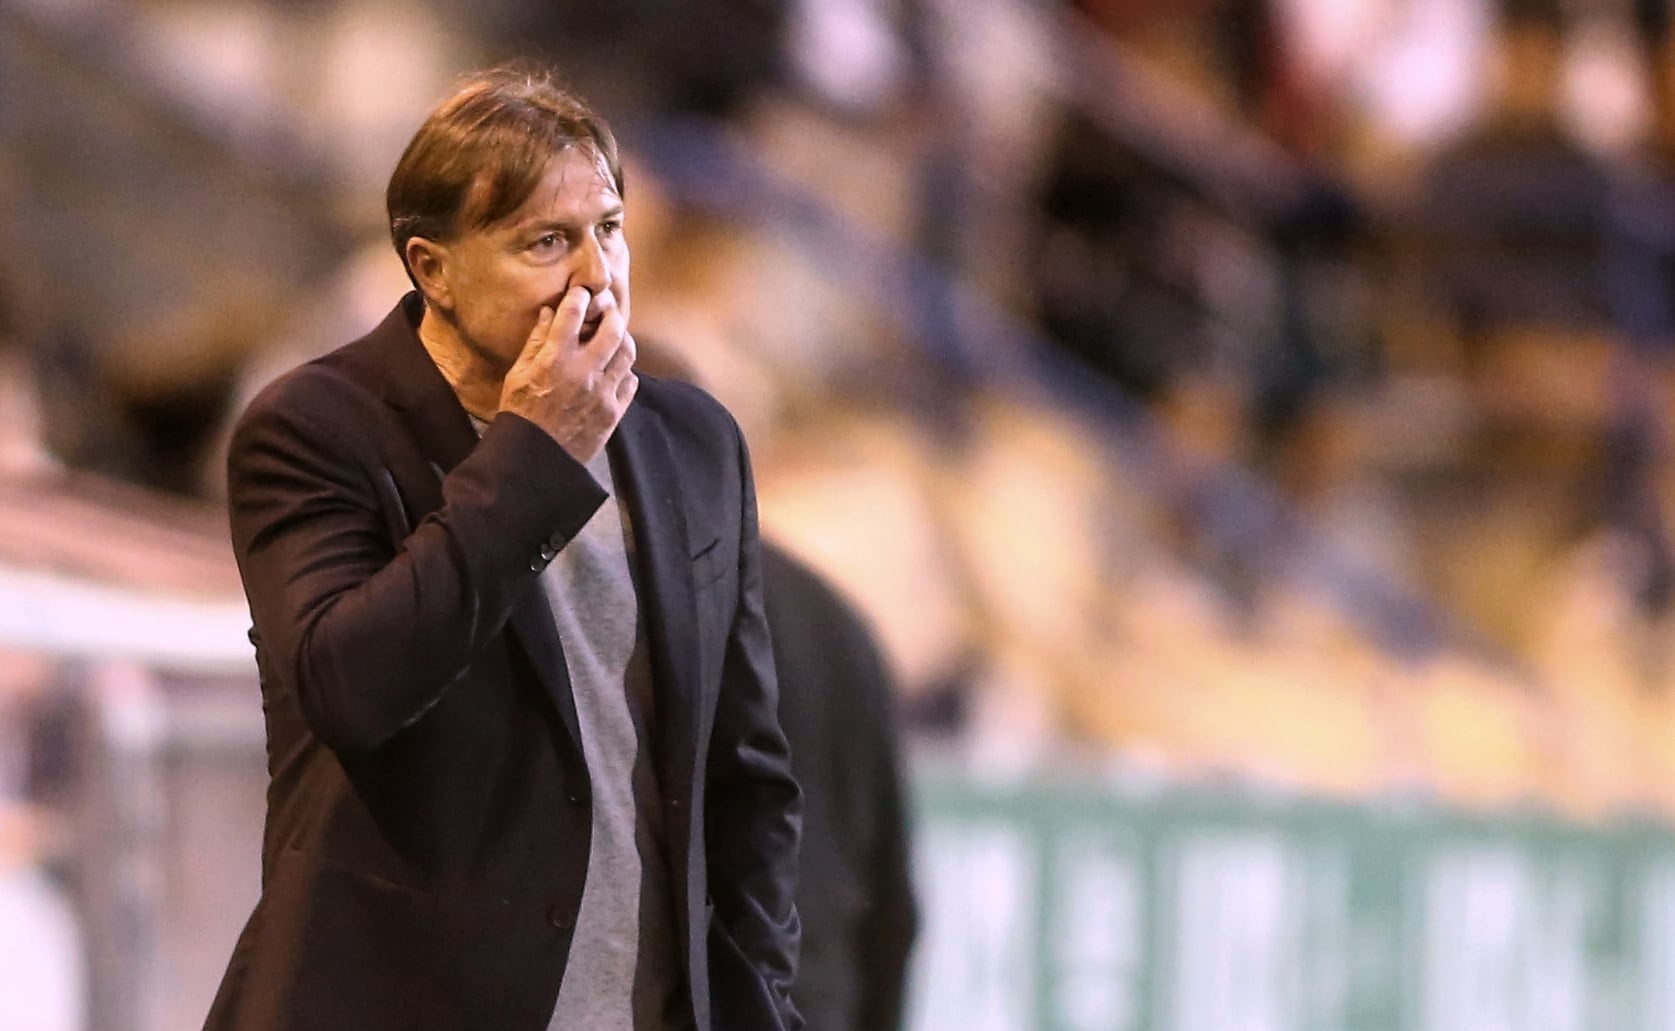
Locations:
column 429, row 411
column 645, row 470
column 432, row 416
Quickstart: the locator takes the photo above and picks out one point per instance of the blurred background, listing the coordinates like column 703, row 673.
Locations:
column 1245, row 424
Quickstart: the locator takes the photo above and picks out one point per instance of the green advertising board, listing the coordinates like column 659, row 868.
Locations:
column 1065, row 907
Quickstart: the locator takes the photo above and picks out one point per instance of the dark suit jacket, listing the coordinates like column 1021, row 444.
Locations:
column 855, row 890
column 429, row 811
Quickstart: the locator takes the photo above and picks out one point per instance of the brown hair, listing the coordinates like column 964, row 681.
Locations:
column 481, row 153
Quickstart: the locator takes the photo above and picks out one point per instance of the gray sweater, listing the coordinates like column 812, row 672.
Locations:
column 623, row 972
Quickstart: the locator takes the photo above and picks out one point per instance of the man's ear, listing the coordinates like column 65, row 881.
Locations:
column 428, row 263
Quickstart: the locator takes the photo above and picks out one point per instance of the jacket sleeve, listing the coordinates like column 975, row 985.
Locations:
column 753, row 807
column 368, row 628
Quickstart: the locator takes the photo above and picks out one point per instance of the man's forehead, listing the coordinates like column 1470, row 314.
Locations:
column 575, row 180
column 575, row 183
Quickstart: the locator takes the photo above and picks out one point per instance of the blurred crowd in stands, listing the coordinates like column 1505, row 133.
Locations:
column 1265, row 392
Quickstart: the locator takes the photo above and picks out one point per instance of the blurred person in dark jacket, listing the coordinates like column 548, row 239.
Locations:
column 855, row 894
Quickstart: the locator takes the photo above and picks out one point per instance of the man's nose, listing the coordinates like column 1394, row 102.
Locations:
column 592, row 270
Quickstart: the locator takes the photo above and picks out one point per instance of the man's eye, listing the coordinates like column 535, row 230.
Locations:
column 546, row 242
column 611, row 226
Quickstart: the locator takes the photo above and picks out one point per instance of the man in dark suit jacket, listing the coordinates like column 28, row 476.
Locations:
column 526, row 768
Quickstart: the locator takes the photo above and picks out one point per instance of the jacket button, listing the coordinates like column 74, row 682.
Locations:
column 560, row 918
column 578, row 799
column 548, row 552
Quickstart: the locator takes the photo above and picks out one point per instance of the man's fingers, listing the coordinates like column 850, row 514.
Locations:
column 612, row 331
column 620, row 365
column 622, row 359
column 572, row 309
column 537, row 336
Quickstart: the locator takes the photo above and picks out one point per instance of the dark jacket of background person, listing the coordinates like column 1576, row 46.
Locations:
column 429, row 813
column 855, row 894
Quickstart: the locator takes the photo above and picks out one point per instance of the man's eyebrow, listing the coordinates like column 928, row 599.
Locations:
column 542, row 222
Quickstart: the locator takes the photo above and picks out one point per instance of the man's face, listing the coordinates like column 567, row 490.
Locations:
column 567, row 233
